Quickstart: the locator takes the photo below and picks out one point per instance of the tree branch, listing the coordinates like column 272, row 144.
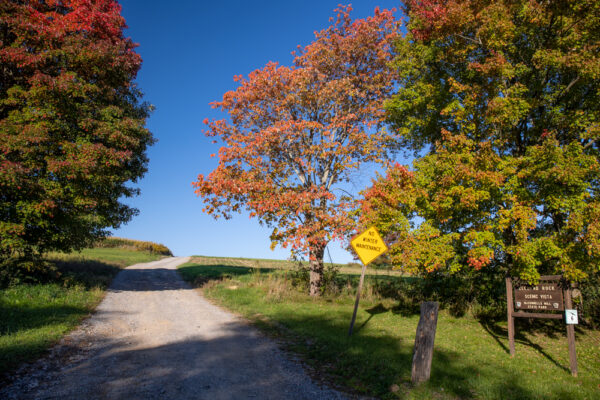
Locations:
column 478, row 41
column 299, row 172
column 569, row 86
column 589, row 144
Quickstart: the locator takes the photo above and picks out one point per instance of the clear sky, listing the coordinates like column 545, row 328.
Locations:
column 191, row 51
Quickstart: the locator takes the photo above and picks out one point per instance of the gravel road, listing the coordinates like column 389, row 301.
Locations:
column 154, row 337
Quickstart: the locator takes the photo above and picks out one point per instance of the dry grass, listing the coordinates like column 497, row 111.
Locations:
column 349, row 269
column 137, row 245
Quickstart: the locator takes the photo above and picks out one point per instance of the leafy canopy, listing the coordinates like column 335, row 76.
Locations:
column 295, row 132
column 502, row 101
column 71, row 126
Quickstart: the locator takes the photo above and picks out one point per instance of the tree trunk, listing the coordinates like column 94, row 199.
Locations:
column 316, row 253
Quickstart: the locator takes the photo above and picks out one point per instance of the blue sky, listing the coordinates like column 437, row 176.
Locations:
column 191, row 51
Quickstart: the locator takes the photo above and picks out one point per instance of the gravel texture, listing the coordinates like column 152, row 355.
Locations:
column 154, row 337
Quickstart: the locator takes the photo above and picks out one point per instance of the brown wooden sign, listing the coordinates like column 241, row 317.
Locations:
column 547, row 296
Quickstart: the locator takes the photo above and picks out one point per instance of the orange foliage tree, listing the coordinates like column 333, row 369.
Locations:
column 295, row 132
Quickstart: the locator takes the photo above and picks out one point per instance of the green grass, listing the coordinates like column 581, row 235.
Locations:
column 349, row 269
column 116, row 256
column 471, row 359
column 35, row 316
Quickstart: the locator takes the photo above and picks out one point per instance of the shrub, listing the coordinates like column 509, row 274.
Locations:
column 14, row 271
column 482, row 296
column 589, row 304
column 151, row 247
column 330, row 284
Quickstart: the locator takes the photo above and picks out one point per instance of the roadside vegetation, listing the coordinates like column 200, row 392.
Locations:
column 471, row 357
column 41, row 304
column 135, row 245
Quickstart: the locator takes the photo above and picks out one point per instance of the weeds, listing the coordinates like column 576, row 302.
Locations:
column 480, row 295
column 330, row 284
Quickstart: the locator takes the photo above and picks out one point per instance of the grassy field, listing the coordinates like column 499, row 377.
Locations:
column 35, row 316
column 113, row 256
column 471, row 359
column 350, row 269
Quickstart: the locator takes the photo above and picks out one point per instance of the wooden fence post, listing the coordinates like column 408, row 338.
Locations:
column 423, row 352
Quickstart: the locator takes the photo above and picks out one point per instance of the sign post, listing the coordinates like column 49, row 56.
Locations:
column 549, row 295
column 571, row 320
column 511, row 320
column 368, row 246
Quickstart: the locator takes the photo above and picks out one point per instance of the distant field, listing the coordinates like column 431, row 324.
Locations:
column 353, row 269
column 471, row 359
column 35, row 316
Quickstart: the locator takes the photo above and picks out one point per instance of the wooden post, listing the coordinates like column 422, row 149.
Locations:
column 360, row 283
column 571, row 334
column 511, row 319
column 423, row 352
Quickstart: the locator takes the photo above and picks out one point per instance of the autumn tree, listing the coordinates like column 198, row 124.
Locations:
column 71, row 125
column 296, row 132
column 501, row 102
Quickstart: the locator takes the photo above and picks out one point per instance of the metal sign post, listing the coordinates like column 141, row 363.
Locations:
column 368, row 246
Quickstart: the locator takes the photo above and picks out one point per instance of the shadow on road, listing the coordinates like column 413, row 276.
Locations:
column 239, row 364
column 147, row 279
column 236, row 362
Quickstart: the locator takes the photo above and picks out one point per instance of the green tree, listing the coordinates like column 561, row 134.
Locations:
column 501, row 101
column 72, row 130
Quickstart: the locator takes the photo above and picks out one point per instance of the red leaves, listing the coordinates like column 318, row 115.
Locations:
column 294, row 132
column 428, row 16
column 72, row 129
column 479, row 262
column 545, row 133
column 42, row 30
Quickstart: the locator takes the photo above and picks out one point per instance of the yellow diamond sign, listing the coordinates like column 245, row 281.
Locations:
column 368, row 245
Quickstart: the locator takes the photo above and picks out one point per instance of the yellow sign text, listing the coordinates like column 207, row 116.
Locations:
column 368, row 245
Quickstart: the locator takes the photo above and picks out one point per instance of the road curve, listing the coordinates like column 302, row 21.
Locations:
column 154, row 337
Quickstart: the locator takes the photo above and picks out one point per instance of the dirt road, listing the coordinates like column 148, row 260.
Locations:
column 153, row 337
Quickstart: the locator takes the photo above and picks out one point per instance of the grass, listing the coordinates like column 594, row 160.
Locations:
column 35, row 316
column 348, row 269
column 139, row 245
column 471, row 359
column 114, row 256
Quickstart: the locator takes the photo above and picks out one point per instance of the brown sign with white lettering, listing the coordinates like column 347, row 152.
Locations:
column 545, row 296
